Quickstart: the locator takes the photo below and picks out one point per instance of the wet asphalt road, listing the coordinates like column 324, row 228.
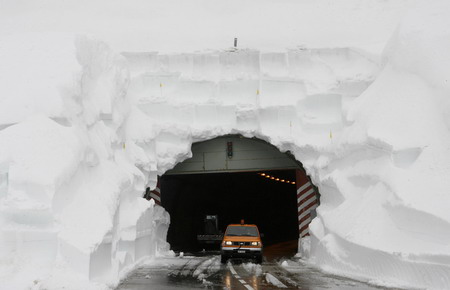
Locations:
column 204, row 271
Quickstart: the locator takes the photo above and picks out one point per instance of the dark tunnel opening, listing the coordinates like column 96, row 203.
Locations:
column 270, row 204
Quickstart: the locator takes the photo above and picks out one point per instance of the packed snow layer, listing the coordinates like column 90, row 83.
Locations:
column 83, row 129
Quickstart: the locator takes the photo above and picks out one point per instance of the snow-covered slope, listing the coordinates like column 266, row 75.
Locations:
column 85, row 125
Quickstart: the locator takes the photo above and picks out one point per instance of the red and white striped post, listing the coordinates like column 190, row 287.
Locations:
column 155, row 194
column 306, row 202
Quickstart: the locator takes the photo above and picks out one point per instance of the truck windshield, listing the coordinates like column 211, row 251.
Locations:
column 242, row 231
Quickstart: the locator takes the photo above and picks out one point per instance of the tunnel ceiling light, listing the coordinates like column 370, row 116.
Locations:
column 275, row 178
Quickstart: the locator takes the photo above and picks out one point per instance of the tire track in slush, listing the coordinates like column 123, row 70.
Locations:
column 239, row 278
column 188, row 268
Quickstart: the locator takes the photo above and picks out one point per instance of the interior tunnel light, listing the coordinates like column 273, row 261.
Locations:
column 275, row 178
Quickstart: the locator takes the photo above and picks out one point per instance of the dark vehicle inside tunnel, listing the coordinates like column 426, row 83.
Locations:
column 267, row 202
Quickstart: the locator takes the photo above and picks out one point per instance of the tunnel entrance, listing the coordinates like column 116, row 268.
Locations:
column 236, row 178
column 231, row 196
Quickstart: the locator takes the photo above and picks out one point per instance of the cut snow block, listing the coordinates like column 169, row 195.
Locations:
column 151, row 228
column 317, row 75
column 210, row 115
column 163, row 63
column 239, row 64
column 151, row 86
column 206, row 67
column 100, row 262
column 322, row 109
column 281, row 92
column 194, row 91
column 127, row 246
column 140, row 62
column 287, row 122
column 178, row 63
column 299, row 62
column 145, row 230
column 38, row 245
column 277, row 121
column 95, row 265
column 163, row 113
column 247, row 119
column 161, row 221
column 268, row 118
column 238, row 92
column 274, row 65
column 124, row 259
column 347, row 63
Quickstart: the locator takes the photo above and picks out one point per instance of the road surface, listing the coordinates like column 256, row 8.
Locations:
column 204, row 271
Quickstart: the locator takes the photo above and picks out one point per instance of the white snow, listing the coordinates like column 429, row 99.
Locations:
column 253, row 268
column 206, row 268
column 274, row 281
column 98, row 98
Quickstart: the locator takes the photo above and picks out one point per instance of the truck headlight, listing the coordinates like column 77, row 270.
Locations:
column 228, row 243
column 255, row 243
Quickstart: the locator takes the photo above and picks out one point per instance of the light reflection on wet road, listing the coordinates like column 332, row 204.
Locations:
column 204, row 271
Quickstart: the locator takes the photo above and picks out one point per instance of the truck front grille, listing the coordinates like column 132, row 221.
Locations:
column 241, row 243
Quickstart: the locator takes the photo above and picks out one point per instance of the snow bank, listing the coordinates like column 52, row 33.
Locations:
column 83, row 130
column 71, row 201
column 394, row 188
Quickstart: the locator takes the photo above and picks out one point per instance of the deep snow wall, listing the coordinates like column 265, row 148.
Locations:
column 373, row 136
column 397, row 193
column 71, row 207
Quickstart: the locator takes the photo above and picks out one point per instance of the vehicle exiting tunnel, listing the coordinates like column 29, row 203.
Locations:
column 232, row 178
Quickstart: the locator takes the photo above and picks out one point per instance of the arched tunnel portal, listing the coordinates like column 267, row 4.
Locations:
column 231, row 178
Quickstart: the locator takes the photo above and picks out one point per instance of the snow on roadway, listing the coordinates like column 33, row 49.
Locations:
column 274, row 281
column 176, row 272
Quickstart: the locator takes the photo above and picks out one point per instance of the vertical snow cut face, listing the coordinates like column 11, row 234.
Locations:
column 307, row 101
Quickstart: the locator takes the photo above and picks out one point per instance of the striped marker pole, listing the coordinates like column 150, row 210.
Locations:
column 155, row 194
column 306, row 202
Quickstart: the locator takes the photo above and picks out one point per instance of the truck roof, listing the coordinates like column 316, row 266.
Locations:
column 242, row 225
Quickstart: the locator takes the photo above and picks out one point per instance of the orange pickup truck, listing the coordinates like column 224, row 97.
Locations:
column 241, row 241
